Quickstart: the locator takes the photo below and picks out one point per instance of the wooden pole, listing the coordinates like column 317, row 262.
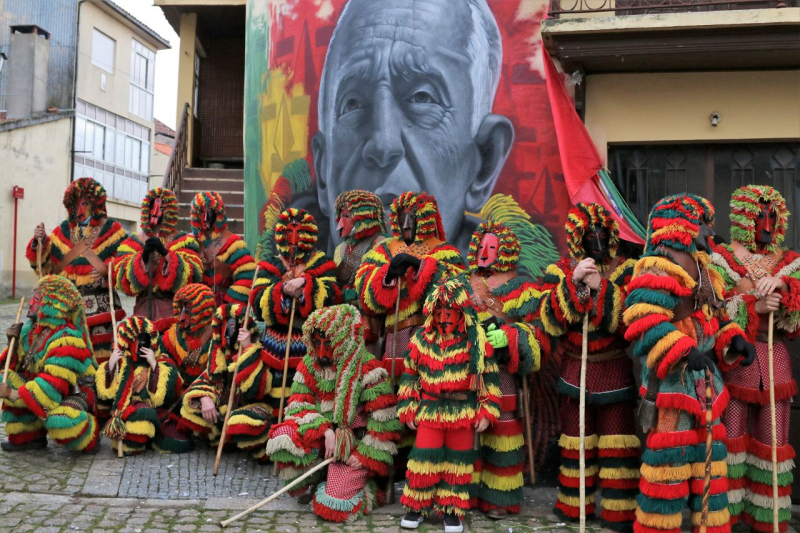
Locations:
column 390, row 495
column 773, row 422
column 114, row 330
column 526, row 410
column 233, row 380
column 284, row 490
column 12, row 345
column 582, row 421
column 709, row 445
column 286, row 361
column 39, row 257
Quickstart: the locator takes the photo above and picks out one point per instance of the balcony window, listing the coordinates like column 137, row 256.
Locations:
column 103, row 48
column 143, row 64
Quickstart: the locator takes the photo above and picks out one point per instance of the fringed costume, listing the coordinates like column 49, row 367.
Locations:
column 450, row 382
column 155, row 282
column 747, row 419
column 135, row 389
column 82, row 253
column 228, row 266
column 612, row 447
column 502, row 456
column 52, row 373
column 352, row 399
column 273, row 305
column 675, row 313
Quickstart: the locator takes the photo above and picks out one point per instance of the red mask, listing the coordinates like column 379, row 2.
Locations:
column 156, row 213
column 293, row 237
column 447, row 320
column 766, row 221
column 487, row 251
column 35, row 304
column 83, row 209
column 185, row 318
column 322, row 349
column 408, row 226
column 344, row 224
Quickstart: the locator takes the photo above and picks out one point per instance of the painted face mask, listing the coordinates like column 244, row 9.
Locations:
column 447, row 320
column 345, row 224
column 185, row 318
column 705, row 234
column 209, row 219
column 595, row 244
column 143, row 342
column 765, row 224
column 35, row 304
column 408, row 226
column 83, row 210
column 156, row 214
column 323, row 349
column 487, row 251
column 293, row 237
column 231, row 332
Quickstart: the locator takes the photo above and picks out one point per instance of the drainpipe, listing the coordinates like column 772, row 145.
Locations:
column 75, row 93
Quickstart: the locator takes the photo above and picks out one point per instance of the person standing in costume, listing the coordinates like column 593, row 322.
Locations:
column 137, row 384
column 82, row 249
column 761, row 278
column 228, row 266
column 676, row 314
column 342, row 406
column 300, row 280
column 492, row 258
column 156, row 263
column 593, row 279
column 50, row 388
column 449, row 390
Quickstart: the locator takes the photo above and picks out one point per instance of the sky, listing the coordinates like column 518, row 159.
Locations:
column 166, row 91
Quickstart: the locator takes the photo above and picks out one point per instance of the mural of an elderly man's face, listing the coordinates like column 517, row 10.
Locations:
column 405, row 105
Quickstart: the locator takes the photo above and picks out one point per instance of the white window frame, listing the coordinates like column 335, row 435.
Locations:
column 142, row 90
column 97, row 61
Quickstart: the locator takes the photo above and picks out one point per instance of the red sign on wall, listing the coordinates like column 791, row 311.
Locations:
column 18, row 192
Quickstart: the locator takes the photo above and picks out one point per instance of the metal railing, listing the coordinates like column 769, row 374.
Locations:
column 178, row 158
column 640, row 7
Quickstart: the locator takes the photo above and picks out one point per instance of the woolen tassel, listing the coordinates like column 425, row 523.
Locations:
column 115, row 428
column 345, row 443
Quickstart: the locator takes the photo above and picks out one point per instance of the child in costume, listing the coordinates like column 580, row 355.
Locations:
column 188, row 341
column 82, row 249
column 449, row 391
column 136, row 384
column 343, row 406
column 760, row 277
column 675, row 313
column 50, row 388
column 496, row 286
column 154, row 264
column 593, row 279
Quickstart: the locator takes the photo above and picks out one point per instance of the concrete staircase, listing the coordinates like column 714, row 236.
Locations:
column 228, row 182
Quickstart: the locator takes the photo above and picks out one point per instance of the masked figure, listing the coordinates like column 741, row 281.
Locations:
column 761, row 277
column 154, row 264
column 449, row 390
column 228, row 265
column 137, row 384
column 676, row 314
column 50, row 388
column 206, row 400
column 341, row 405
column 593, row 279
column 493, row 255
column 82, row 249
column 300, row 274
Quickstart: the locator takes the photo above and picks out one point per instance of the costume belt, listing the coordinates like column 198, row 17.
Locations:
column 454, row 396
column 413, row 320
column 597, row 357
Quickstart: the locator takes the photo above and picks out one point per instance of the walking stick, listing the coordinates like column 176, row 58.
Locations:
column 285, row 372
column 12, row 345
column 773, row 422
column 114, row 330
column 390, row 496
column 709, row 445
column 582, row 421
column 233, row 380
column 39, row 256
column 526, row 411
column 284, row 490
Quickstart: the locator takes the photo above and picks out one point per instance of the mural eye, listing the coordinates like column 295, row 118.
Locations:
column 422, row 97
column 351, row 104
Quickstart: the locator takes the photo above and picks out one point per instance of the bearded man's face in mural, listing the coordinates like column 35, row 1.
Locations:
column 405, row 105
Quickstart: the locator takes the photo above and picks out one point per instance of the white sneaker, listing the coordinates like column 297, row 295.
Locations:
column 452, row 524
column 411, row 520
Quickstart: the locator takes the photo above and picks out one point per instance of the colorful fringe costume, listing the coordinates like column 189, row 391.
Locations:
column 612, row 448
column 53, row 370
column 274, row 307
column 353, row 398
column 250, row 421
column 228, row 266
column 75, row 252
column 448, row 385
column 135, row 389
column 747, row 418
column 674, row 305
column 180, row 267
column 502, row 455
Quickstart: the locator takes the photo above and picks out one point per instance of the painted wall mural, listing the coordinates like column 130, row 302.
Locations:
column 446, row 96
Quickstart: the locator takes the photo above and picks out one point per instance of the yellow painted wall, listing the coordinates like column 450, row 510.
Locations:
column 188, row 47
column 36, row 158
column 675, row 107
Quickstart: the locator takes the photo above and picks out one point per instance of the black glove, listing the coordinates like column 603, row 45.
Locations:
column 153, row 244
column 698, row 360
column 400, row 264
column 740, row 346
column 14, row 331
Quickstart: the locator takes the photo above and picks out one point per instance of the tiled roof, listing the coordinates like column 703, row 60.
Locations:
column 163, row 148
column 163, row 129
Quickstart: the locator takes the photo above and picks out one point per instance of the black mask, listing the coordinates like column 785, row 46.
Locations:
column 211, row 219
column 408, row 227
column 596, row 244
column 704, row 236
column 231, row 331
column 144, row 341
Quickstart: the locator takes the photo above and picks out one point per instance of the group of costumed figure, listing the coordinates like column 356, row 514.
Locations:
column 396, row 359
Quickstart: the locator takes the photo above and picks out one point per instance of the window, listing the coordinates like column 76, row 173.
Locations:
column 103, row 48
column 143, row 65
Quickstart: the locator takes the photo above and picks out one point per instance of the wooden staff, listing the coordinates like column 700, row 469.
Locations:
column 773, row 422
column 39, row 256
column 582, row 421
column 526, row 411
column 286, row 360
column 114, row 330
column 12, row 345
column 233, row 379
column 709, row 445
column 284, row 490
column 390, row 496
